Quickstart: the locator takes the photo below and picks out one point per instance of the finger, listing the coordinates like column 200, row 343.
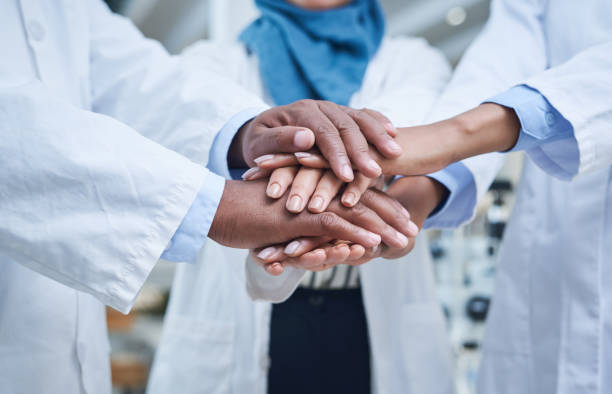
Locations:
column 353, row 138
column 355, row 189
column 329, row 142
column 276, row 160
column 280, row 180
column 301, row 246
column 337, row 254
column 357, row 252
column 388, row 253
column 363, row 216
column 303, row 186
column 283, row 139
column 308, row 260
column 369, row 254
column 311, row 159
column 376, row 134
column 268, row 254
column 274, row 269
column 391, row 211
column 326, row 190
column 382, row 119
column 332, row 225
column 252, row 174
column 320, row 258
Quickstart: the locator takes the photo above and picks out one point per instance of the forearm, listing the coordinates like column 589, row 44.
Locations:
column 426, row 149
column 420, row 195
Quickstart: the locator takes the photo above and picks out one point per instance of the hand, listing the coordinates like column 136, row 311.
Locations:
column 310, row 183
column 317, row 253
column 318, row 186
column 420, row 194
column 341, row 134
column 430, row 148
column 246, row 218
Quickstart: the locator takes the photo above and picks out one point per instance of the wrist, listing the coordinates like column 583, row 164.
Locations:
column 419, row 194
column 221, row 226
column 484, row 129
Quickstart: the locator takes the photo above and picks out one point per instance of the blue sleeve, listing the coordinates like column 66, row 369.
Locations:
column 193, row 230
column 217, row 161
column 461, row 200
column 541, row 123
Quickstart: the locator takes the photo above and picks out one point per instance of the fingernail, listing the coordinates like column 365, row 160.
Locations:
column 302, row 155
column 405, row 211
column 295, row 203
column 250, row 172
column 402, row 239
column 316, row 203
column 267, row 252
column 349, row 199
column 303, row 139
column 373, row 238
column 347, row 172
column 263, row 158
column 389, row 127
column 274, row 190
column 292, row 247
column 372, row 165
column 413, row 228
column 394, row 147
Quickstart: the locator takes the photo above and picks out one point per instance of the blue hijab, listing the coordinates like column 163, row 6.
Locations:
column 314, row 54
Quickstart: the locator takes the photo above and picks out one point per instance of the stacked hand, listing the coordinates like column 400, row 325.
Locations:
column 320, row 189
column 248, row 218
column 306, row 181
column 322, row 204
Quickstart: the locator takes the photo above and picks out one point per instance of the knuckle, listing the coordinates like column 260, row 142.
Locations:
column 359, row 210
column 310, row 104
column 325, row 130
column 278, row 138
column 329, row 220
column 368, row 196
column 362, row 149
column 360, row 115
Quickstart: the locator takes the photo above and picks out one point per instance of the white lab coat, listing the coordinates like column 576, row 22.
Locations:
column 216, row 339
column 88, row 200
column 550, row 326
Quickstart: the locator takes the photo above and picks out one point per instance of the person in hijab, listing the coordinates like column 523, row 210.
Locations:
column 374, row 328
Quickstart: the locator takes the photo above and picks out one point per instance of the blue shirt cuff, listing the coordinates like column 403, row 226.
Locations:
column 217, row 161
column 541, row 123
column 461, row 200
column 193, row 230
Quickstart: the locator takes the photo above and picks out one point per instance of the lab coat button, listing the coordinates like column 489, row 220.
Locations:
column 550, row 118
column 37, row 32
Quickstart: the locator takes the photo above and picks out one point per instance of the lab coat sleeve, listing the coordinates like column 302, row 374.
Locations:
column 265, row 287
column 168, row 99
column 542, row 126
column 85, row 199
column 191, row 234
column 580, row 89
column 508, row 50
column 541, row 123
column 414, row 76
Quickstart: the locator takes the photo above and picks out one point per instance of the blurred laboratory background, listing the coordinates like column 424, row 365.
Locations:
column 464, row 259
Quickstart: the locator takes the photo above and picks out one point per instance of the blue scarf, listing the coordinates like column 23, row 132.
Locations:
column 314, row 54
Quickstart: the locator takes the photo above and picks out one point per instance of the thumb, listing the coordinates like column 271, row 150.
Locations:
column 283, row 139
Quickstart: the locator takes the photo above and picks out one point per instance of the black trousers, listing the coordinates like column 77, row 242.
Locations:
column 319, row 344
